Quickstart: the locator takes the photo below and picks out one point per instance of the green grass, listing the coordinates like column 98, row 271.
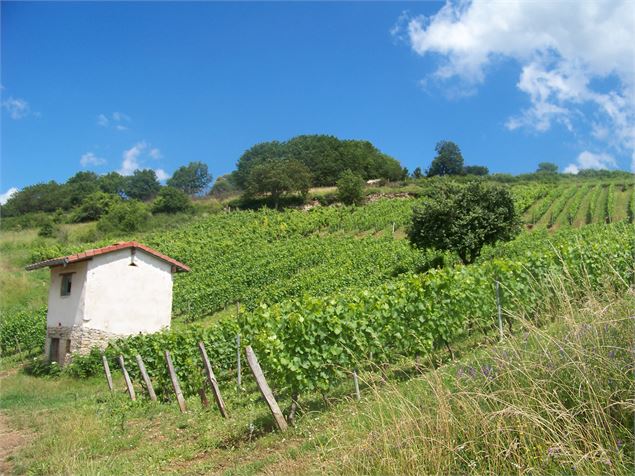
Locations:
column 557, row 399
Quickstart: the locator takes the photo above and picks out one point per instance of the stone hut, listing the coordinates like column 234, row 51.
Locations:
column 105, row 293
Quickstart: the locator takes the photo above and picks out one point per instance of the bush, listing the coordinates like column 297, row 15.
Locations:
column 48, row 229
column 464, row 218
column 94, row 207
column 126, row 216
column 172, row 200
column 350, row 188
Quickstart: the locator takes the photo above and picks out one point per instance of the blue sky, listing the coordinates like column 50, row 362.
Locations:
column 114, row 86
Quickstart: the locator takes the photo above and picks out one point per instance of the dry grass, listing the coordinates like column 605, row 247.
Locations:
column 550, row 401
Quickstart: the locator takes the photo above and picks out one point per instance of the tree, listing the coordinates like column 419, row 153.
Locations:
column 547, row 168
column 80, row 186
column 192, row 178
column 172, row 200
column 417, row 173
column 126, row 216
column 475, row 170
column 112, row 183
column 326, row 157
column 279, row 177
column 448, row 161
column 350, row 188
column 41, row 197
column 224, row 186
column 94, row 206
column 464, row 218
column 141, row 185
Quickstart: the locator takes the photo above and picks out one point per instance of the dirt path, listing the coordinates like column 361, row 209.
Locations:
column 10, row 441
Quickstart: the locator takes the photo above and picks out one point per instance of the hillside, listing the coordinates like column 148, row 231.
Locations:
column 333, row 290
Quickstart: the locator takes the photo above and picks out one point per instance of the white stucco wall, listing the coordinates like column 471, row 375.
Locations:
column 66, row 311
column 123, row 299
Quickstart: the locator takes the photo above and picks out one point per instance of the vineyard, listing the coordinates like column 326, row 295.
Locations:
column 310, row 343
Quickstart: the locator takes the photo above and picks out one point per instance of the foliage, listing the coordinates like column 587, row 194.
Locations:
column 448, row 161
column 172, row 200
column 141, row 185
column 22, row 331
column 94, row 206
column 464, row 219
column 224, row 186
column 126, row 216
column 278, row 177
column 312, row 342
column 193, row 178
column 417, row 173
column 478, row 170
column 547, row 168
column 350, row 188
column 48, row 229
column 609, row 212
column 559, row 204
column 325, row 156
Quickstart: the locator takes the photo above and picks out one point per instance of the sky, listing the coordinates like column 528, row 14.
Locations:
column 106, row 86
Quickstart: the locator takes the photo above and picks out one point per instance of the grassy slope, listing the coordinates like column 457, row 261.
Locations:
column 547, row 400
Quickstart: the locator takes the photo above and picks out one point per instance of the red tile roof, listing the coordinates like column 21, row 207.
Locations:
column 86, row 255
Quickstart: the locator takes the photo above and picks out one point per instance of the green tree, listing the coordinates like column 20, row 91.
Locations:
column 142, row 185
column 94, row 206
column 417, row 173
column 464, row 218
column 224, row 186
column 193, row 178
column 448, row 161
column 475, row 170
column 172, row 200
column 279, row 177
column 113, row 183
column 350, row 188
column 547, row 168
column 41, row 197
column 125, row 216
column 326, row 157
column 80, row 186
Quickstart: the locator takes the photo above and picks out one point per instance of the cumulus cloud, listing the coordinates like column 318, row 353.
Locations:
column 90, row 159
column 16, row 107
column 574, row 57
column 7, row 195
column 589, row 160
column 162, row 174
column 116, row 120
column 133, row 159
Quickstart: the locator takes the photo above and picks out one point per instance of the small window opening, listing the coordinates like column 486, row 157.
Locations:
column 68, row 346
column 67, row 281
column 133, row 253
column 54, row 350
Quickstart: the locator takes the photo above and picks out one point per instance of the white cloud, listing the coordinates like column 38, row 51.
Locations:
column 155, row 153
column 589, row 160
column 133, row 159
column 562, row 47
column 16, row 107
column 102, row 120
column 90, row 159
column 162, row 174
column 7, row 195
column 116, row 120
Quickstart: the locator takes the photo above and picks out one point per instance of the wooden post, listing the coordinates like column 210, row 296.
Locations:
column 107, row 372
column 126, row 377
column 175, row 383
column 204, row 401
column 500, row 313
column 238, row 369
column 146, row 378
column 267, row 394
column 358, row 397
column 211, row 378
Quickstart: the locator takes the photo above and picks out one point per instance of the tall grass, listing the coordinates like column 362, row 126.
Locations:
column 550, row 400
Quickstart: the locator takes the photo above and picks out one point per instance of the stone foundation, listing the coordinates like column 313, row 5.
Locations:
column 76, row 339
